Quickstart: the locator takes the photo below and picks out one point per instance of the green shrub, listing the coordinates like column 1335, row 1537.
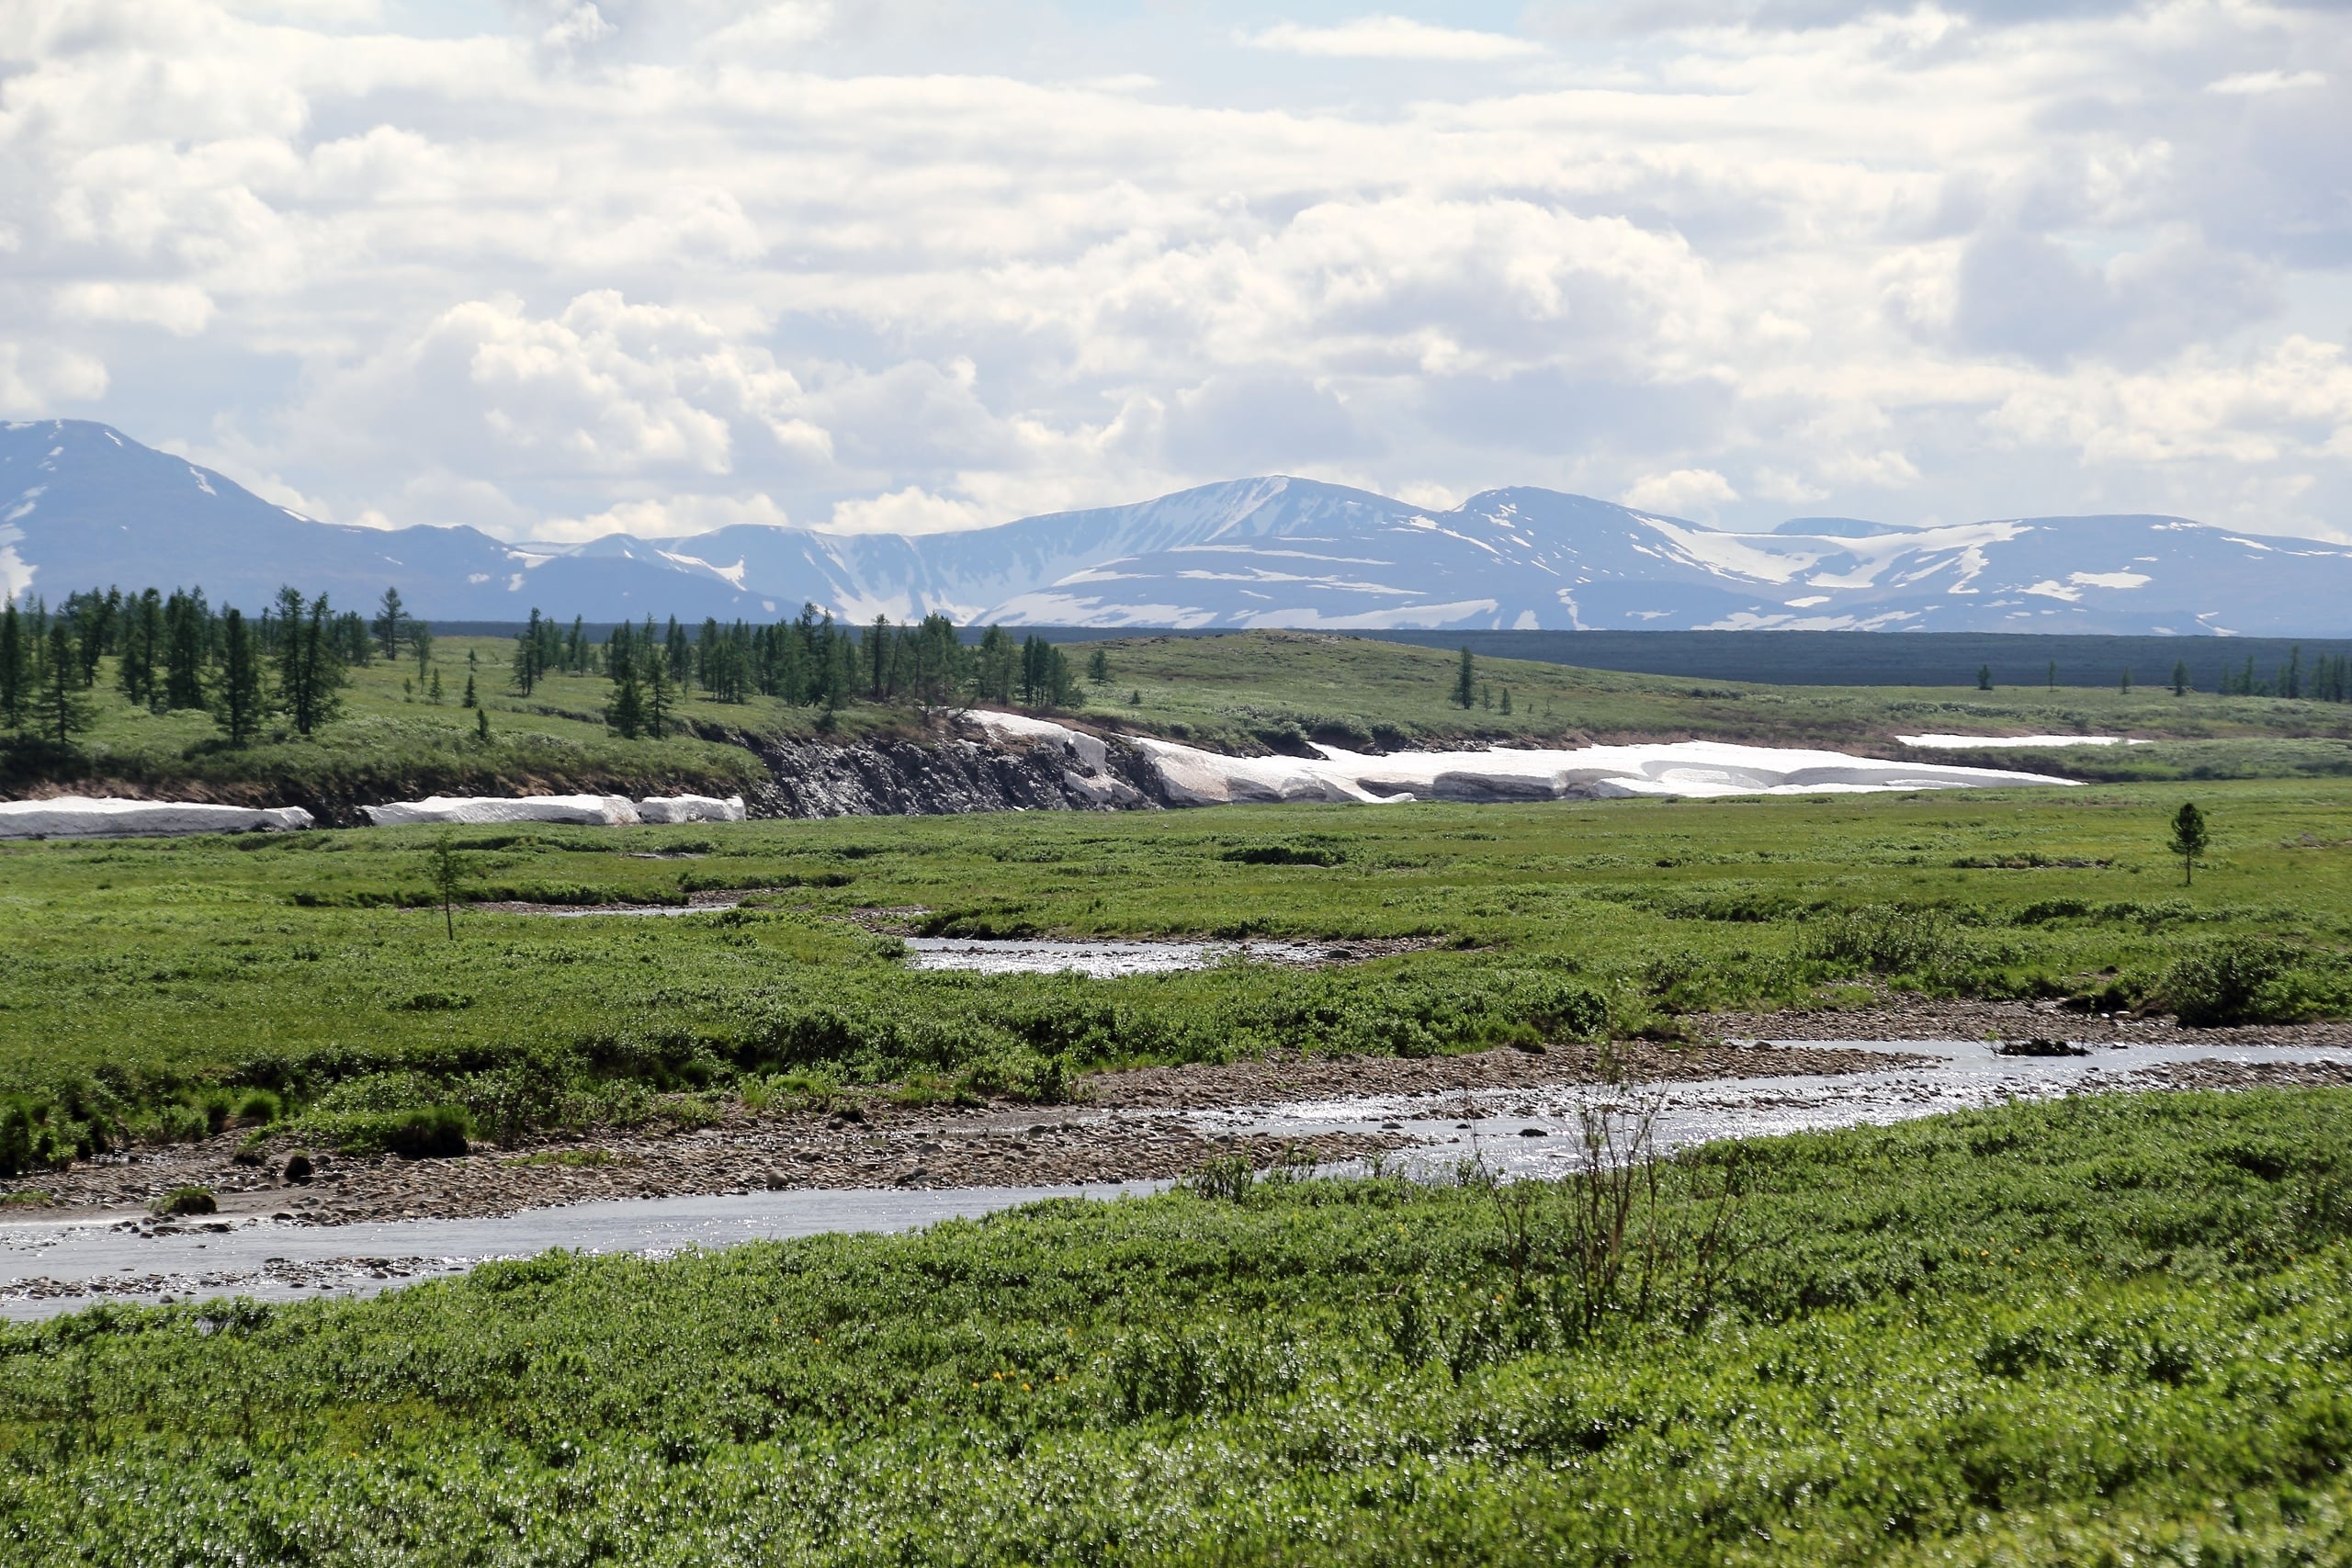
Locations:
column 187, row 1201
column 1283, row 854
column 2256, row 980
column 429, row 1132
column 260, row 1108
column 1881, row 938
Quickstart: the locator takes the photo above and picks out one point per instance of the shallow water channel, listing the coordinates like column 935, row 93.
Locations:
column 53, row 1267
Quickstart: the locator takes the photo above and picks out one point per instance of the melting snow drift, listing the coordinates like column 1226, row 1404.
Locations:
column 1691, row 768
column 690, row 808
column 583, row 810
column 591, row 811
column 1970, row 742
column 81, row 816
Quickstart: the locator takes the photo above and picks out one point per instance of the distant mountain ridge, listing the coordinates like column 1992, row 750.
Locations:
column 83, row 505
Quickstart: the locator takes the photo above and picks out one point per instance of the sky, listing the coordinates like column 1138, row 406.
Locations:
column 555, row 268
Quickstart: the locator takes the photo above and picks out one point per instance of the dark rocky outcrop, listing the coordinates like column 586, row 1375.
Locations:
column 951, row 774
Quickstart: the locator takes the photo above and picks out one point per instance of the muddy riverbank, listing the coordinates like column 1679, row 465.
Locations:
column 1126, row 1126
column 1141, row 1125
column 1919, row 1017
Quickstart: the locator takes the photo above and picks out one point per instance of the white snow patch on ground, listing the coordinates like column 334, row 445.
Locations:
column 589, row 810
column 1191, row 776
column 82, row 817
column 1970, row 742
column 690, row 808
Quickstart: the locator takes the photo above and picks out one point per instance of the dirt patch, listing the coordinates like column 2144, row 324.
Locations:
column 1917, row 1017
column 694, row 903
column 2245, row 1075
column 1020, row 1147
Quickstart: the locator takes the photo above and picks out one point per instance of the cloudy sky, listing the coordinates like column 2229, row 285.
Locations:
column 555, row 267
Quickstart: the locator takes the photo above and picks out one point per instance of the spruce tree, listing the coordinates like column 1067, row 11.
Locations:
column 64, row 711
column 528, row 649
column 241, row 696
column 2180, row 677
column 626, row 713
column 2189, row 840
column 1984, row 677
column 142, row 646
column 389, row 620
column 1465, row 682
column 470, row 700
column 15, row 687
column 187, row 626
column 447, row 869
column 1098, row 667
column 659, row 695
column 311, row 668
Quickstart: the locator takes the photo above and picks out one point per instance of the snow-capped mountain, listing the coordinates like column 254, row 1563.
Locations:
column 84, row 505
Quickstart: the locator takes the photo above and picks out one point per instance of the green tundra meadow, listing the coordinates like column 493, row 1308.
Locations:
column 2101, row 1331
column 2104, row 1330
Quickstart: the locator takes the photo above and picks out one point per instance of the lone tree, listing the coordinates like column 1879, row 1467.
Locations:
column 391, row 623
column 2180, row 677
column 2188, row 839
column 447, row 867
column 1098, row 667
column 1465, row 682
column 1984, row 677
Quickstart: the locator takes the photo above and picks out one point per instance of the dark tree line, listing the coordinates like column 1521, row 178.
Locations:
column 177, row 652
column 806, row 661
column 2322, row 680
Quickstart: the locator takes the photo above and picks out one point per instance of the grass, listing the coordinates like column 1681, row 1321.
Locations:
column 2094, row 1331
column 149, row 986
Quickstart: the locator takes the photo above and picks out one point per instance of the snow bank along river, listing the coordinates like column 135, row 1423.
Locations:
column 1190, row 776
column 51, row 1266
column 1187, row 776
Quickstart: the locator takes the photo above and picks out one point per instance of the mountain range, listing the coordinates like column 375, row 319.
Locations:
column 84, row 505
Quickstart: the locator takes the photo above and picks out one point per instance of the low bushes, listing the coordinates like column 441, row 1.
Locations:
column 429, row 1132
column 187, row 1201
column 2256, row 980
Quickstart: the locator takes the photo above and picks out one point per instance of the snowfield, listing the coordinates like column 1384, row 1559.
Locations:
column 584, row 810
column 84, row 817
column 1696, row 769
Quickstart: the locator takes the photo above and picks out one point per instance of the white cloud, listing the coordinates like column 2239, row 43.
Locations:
column 909, row 511
column 1392, row 38
column 629, row 264
column 178, row 307
column 36, row 379
column 1685, row 492
column 2254, row 82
